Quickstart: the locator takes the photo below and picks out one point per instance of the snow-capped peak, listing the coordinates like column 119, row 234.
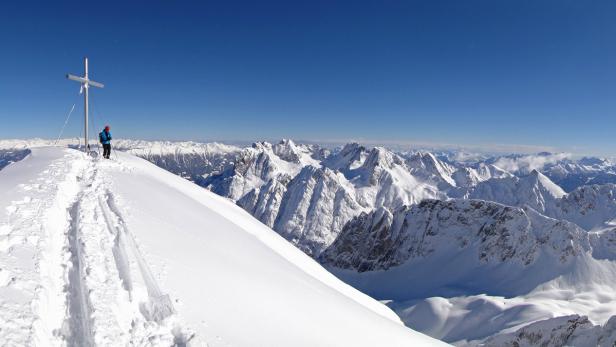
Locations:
column 351, row 156
column 381, row 157
column 287, row 150
column 546, row 184
column 534, row 190
column 430, row 168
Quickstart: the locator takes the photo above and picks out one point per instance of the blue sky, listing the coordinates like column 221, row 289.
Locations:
column 463, row 72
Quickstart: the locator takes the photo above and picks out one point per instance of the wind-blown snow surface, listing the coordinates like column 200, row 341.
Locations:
column 70, row 275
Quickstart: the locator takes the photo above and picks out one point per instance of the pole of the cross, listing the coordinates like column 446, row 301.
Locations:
column 85, row 103
column 85, row 83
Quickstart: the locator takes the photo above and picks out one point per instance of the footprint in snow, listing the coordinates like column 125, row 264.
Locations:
column 32, row 239
column 5, row 229
column 5, row 277
column 6, row 242
column 25, row 187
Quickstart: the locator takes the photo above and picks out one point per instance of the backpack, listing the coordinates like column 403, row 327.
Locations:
column 100, row 137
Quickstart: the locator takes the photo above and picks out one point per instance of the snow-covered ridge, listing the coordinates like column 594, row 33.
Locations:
column 70, row 274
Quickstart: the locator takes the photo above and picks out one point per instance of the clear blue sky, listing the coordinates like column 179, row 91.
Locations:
column 514, row 72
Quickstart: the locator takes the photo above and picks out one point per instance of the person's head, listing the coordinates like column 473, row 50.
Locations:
column 107, row 127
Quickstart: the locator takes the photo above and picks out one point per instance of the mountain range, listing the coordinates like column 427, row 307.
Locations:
column 471, row 249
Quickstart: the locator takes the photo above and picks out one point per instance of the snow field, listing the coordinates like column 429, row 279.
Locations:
column 236, row 264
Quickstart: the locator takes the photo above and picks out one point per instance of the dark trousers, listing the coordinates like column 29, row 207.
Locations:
column 106, row 150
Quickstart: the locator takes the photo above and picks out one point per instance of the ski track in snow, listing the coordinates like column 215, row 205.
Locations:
column 33, row 246
column 67, row 274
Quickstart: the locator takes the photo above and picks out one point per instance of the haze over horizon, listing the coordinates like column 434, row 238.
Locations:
column 477, row 73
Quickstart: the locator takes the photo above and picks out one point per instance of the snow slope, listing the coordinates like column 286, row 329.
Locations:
column 71, row 273
column 534, row 190
column 467, row 270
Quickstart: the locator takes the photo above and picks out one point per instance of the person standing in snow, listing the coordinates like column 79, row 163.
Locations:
column 105, row 138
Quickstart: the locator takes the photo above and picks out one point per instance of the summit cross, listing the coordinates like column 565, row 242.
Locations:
column 85, row 83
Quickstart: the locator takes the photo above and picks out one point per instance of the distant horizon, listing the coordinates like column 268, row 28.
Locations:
column 396, row 146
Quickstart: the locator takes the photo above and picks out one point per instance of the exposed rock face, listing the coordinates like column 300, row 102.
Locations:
column 264, row 202
column 588, row 206
column 314, row 209
column 497, row 233
column 604, row 244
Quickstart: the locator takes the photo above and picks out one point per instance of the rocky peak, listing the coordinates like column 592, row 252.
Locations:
column 426, row 166
column 381, row 157
column 350, row 156
column 538, row 180
column 287, row 150
column 315, row 207
column 262, row 146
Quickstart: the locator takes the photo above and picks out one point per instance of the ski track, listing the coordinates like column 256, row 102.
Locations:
column 67, row 279
column 33, row 247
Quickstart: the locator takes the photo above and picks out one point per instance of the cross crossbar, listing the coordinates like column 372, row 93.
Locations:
column 85, row 81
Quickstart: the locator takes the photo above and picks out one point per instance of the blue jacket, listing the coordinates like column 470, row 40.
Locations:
column 105, row 137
